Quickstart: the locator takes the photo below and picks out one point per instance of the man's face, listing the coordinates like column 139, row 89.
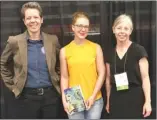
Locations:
column 33, row 20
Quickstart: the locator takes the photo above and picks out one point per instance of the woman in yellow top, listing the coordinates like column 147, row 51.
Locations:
column 82, row 64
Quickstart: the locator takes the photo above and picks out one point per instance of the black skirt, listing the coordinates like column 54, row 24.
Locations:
column 126, row 104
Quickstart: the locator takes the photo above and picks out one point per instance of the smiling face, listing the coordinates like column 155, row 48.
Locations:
column 122, row 31
column 122, row 28
column 81, row 28
column 32, row 20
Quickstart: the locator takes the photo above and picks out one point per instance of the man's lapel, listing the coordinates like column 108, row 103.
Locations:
column 48, row 46
column 22, row 43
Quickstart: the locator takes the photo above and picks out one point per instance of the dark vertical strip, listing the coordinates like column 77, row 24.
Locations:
column 116, row 5
column 104, row 27
column 2, row 107
column 62, row 23
column 134, row 23
column 22, row 25
column 104, row 42
column 2, row 101
column 110, row 20
column 0, row 29
column 137, row 21
column 153, row 57
column 153, row 43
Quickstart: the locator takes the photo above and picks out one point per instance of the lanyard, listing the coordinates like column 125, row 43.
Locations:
column 124, row 61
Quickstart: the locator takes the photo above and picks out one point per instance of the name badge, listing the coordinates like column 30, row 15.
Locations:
column 121, row 81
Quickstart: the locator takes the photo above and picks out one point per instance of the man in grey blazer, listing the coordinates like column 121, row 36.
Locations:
column 33, row 55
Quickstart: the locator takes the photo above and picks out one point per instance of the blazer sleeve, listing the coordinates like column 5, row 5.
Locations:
column 7, row 65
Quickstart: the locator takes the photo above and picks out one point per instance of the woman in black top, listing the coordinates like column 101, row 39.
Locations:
column 127, row 81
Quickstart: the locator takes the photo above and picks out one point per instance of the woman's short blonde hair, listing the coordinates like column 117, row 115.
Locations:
column 123, row 18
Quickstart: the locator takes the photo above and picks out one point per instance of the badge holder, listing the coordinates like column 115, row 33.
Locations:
column 121, row 79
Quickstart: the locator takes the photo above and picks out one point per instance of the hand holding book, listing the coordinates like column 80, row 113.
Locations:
column 75, row 100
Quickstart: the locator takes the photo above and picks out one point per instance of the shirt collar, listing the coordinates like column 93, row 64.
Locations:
column 28, row 37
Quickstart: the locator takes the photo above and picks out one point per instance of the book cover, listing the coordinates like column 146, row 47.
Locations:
column 75, row 99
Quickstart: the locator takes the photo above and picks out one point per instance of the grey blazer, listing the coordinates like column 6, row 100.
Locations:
column 15, row 54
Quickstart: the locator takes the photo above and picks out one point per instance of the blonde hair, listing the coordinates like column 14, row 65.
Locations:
column 123, row 18
column 77, row 15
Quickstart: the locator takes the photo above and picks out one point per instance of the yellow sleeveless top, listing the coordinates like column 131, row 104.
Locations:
column 81, row 62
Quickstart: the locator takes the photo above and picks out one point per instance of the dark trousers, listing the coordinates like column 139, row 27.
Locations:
column 31, row 105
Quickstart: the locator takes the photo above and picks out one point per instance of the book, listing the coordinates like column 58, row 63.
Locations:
column 75, row 99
